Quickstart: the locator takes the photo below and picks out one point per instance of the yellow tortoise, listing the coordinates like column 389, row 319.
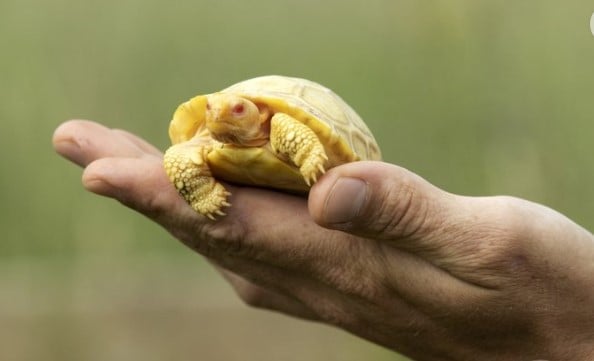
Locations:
column 271, row 131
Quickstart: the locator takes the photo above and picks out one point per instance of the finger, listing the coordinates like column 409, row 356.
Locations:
column 153, row 195
column 83, row 141
column 260, row 225
column 379, row 200
column 139, row 142
column 469, row 237
column 312, row 271
column 141, row 184
column 252, row 227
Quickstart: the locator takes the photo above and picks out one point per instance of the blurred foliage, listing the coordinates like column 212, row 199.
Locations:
column 479, row 97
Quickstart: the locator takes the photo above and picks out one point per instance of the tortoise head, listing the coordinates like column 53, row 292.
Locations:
column 234, row 119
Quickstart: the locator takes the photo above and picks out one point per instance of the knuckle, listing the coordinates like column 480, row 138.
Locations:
column 211, row 239
column 253, row 296
column 225, row 237
column 157, row 206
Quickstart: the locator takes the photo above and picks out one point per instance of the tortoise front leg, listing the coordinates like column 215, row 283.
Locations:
column 294, row 140
column 187, row 169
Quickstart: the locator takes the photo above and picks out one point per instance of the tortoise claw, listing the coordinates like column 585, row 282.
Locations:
column 312, row 169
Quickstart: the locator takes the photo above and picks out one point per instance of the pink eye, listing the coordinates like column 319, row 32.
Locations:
column 238, row 109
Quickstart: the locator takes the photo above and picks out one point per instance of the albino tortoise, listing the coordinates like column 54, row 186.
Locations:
column 271, row 131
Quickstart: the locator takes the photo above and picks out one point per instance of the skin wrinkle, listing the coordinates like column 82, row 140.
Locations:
column 464, row 256
column 405, row 219
column 264, row 274
column 406, row 210
column 352, row 276
column 498, row 249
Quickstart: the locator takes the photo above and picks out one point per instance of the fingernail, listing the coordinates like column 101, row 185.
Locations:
column 345, row 201
column 70, row 150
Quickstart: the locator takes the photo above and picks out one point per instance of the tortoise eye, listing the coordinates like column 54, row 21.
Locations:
column 207, row 106
column 238, row 109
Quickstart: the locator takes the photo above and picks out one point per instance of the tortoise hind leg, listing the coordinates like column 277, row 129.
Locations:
column 293, row 139
column 186, row 168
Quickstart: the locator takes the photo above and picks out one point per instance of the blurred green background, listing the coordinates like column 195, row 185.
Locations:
column 479, row 97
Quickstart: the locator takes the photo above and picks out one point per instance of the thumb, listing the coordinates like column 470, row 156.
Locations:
column 379, row 200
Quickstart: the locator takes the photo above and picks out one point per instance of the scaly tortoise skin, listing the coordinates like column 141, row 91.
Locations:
column 271, row 131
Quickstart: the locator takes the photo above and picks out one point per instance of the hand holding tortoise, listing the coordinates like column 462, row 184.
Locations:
column 377, row 251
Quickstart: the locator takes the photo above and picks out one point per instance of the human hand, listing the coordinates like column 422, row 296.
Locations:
column 377, row 251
